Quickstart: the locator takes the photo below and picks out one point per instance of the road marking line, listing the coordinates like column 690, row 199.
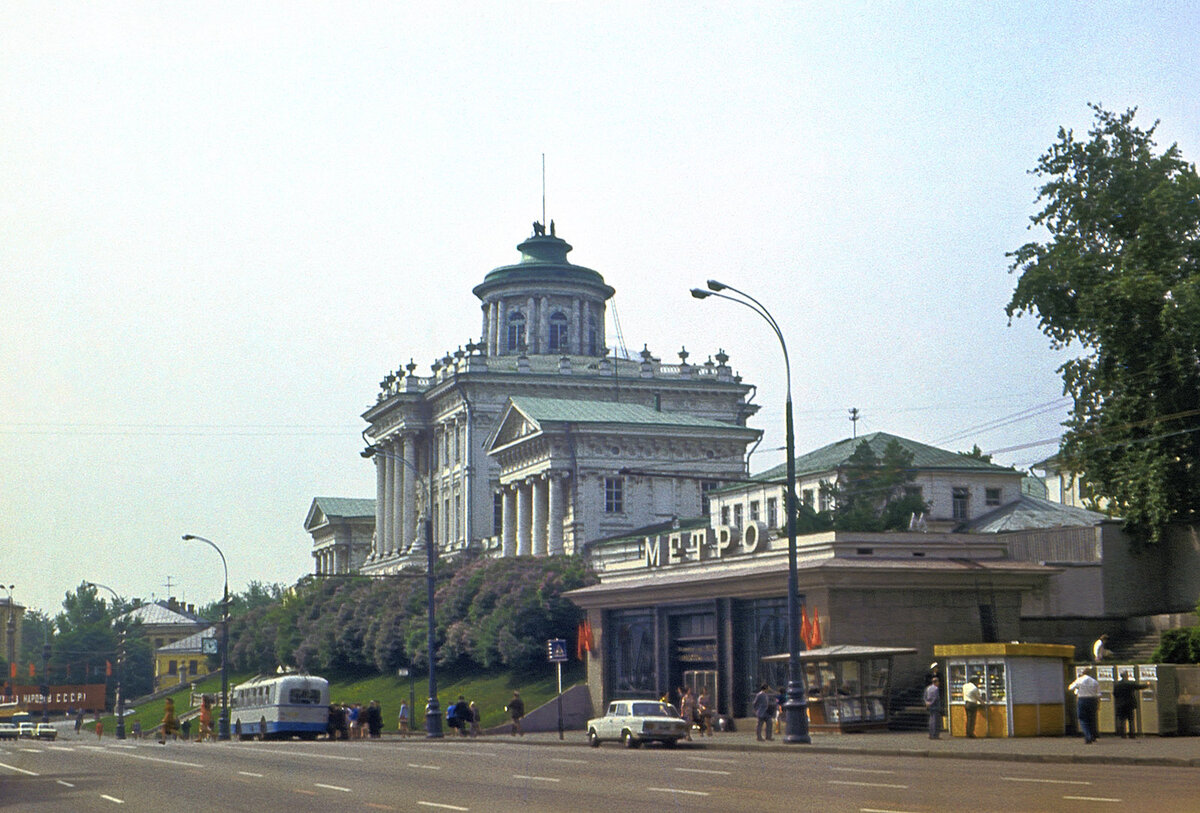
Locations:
column 861, row 770
column 705, row 770
column 60, row 748
column 867, row 784
column 331, row 787
column 443, row 807
column 538, row 778
column 880, row 810
column 572, row 761
column 317, row 756
column 155, row 759
column 713, row 759
column 1091, row 799
column 112, row 799
column 19, row 770
column 248, row 773
column 426, row 767
column 1045, row 781
column 32, row 750
column 681, row 790
column 66, row 784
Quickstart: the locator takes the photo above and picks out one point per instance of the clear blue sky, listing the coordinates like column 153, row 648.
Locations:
column 221, row 224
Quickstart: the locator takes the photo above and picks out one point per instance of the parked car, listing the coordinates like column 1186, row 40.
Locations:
column 27, row 730
column 634, row 722
column 9, row 731
column 45, row 731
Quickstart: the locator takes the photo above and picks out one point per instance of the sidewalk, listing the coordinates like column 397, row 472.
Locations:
column 1179, row 752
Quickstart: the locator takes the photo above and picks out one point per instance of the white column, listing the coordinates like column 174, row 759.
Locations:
column 389, row 514
column 531, row 331
column 556, row 506
column 493, row 336
column 398, row 513
column 524, row 519
column 508, row 525
column 540, row 494
column 409, row 499
column 576, row 332
column 380, row 503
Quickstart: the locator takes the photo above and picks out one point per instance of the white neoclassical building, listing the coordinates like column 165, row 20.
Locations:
column 537, row 438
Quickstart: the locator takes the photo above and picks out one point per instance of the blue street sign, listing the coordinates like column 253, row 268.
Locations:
column 556, row 649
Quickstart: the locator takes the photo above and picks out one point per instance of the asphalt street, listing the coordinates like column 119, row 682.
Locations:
column 501, row 774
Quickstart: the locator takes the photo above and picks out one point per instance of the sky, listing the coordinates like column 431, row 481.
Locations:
column 221, row 224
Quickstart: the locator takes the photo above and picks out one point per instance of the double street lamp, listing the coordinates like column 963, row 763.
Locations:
column 795, row 704
column 120, row 662
column 433, row 712
column 223, row 733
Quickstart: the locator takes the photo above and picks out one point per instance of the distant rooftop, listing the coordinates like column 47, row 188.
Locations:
column 1031, row 513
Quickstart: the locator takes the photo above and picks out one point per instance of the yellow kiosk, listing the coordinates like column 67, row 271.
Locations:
column 1023, row 687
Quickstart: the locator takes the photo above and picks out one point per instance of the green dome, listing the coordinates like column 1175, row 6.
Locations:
column 543, row 259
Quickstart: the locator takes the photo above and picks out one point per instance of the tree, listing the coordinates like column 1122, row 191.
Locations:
column 870, row 494
column 1120, row 276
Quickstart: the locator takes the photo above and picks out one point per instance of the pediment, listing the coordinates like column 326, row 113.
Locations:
column 513, row 427
column 316, row 517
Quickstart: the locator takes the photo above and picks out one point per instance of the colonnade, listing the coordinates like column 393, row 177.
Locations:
column 581, row 315
column 395, row 496
column 533, row 512
column 330, row 560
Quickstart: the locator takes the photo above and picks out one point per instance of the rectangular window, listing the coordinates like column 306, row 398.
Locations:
column 497, row 512
column 172, row 668
column 737, row 515
column 192, row 666
column 457, row 515
column 912, row 491
column 614, row 495
column 991, row 496
column 826, row 501
column 960, row 499
column 446, row 520
column 806, row 497
column 754, row 511
column 705, row 487
column 772, row 512
column 724, row 514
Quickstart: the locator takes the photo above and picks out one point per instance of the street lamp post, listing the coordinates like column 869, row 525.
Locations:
column 223, row 733
column 12, row 626
column 433, row 712
column 120, row 664
column 796, row 703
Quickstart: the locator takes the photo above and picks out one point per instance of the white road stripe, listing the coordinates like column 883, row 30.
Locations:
column 705, row 770
column 315, row 756
column 712, row 759
column 861, row 770
column 113, row 799
column 1045, row 781
column 867, row 784
column 19, row 770
column 60, row 748
column 443, row 807
column 248, row 773
column 32, row 750
column 331, row 787
column 681, row 790
column 538, row 778
column 426, row 767
column 65, row 784
column 880, row 810
column 572, row 761
column 1091, row 799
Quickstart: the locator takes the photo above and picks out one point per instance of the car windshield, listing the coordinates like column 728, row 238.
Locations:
column 653, row 710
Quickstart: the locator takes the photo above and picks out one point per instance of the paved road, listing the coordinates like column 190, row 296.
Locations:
column 502, row 775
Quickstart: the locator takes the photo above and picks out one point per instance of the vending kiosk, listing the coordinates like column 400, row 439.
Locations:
column 1022, row 685
column 1106, row 717
column 1159, row 701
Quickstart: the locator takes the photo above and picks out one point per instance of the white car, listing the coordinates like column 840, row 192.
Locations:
column 9, row 731
column 45, row 731
column 26, row 730
column 634, row 722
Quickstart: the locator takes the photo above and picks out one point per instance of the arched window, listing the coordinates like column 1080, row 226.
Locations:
column 516, row 331
column 558, row 332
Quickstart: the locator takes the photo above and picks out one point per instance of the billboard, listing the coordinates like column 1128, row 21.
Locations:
column 60, row 698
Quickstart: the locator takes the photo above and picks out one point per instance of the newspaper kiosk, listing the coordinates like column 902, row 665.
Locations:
column 1022, row 685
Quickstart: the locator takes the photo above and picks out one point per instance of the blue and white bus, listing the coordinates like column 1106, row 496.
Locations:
column 280, row 706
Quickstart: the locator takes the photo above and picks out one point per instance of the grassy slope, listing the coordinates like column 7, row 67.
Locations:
column 490, row 691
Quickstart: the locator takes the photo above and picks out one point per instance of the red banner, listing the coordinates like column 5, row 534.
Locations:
column 88, row 696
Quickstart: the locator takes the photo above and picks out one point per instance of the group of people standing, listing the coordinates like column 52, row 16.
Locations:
column 353, row 721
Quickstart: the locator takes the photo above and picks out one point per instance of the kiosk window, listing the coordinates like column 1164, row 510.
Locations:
column 995, row 683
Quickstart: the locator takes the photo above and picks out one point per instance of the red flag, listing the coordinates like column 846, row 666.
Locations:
column 108, row 668
column 817, row 640
column 805, row 628
column 32, row 671
column 589, row 643
column 579, row 642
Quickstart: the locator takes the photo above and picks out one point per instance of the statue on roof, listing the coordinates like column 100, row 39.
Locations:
column 538, row 229
column 552, row 227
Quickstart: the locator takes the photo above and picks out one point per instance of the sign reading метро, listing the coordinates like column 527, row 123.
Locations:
column 703, row 543
column 61, row 698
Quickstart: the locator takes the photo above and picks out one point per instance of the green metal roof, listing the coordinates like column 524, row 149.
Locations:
column 556, row 410
column 830, row 457
column 543, row 258
column 345, row 506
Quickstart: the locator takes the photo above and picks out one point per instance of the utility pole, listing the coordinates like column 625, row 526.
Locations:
column 854, row 416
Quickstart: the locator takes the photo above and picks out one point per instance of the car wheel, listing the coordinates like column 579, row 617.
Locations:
column 629, row 740
column 670, row 743
column 593, row 740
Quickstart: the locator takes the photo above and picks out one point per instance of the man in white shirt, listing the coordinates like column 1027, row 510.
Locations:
column 1100, row 649
column 1087, row 704
column 973, row 701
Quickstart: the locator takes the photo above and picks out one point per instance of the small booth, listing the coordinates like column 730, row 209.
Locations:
column 1023, row 687
column 849, row 687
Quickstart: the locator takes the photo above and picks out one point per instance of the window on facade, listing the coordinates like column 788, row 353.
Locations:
column 806, row 497
column 192, row 666
column 457, row 432
column 705, row 487
column 172, row 668
column 497, row 512
column 516, row 331
column 446, row 520
column 724, row 514
column 912, row 491
column 446, row 438
column 772, row 512
column 558, row 333
column 826, row 501
column 614, row 495
column 737, row 515
column 592, row 349
column 754, row 510
column 634, row 665
column 960, row 503
column 992, row 496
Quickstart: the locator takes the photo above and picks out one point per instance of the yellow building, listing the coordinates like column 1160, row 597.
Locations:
column 183, row 660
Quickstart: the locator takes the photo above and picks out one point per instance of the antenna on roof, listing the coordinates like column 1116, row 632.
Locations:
column 854, row 416
column 543, row 187
column 168, row 586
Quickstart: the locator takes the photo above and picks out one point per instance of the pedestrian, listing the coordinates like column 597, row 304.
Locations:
column 352, row 714
column 780, row 697
column 972, row 701
column 402, row 723
column 476, row 716
column 1125, row 701
column 374, row 720
column 78, row 721
column 137, row 729
column 187, row 730
column 168, row 722
column 764, row 710
column 262, row 727
column 99, row 727
column 462, row 716
column 205, row 718
column 516, row 710
column 1087, row 704
column 1100, row 649
column 933, row 704
column 704, row 703
column 687, row 709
